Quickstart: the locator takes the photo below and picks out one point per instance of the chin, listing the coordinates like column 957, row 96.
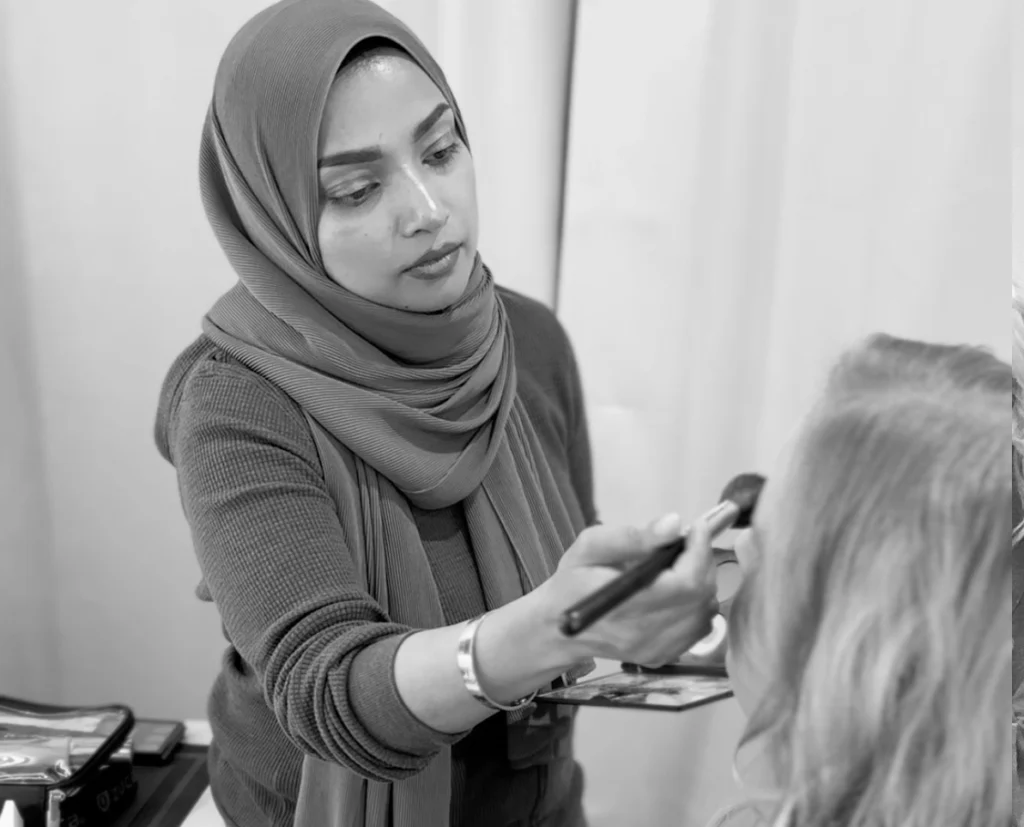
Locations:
column 435, row 296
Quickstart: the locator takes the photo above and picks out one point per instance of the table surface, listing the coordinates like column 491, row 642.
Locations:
column 204, row 814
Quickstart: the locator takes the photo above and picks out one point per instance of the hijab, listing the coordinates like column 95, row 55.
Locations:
column 404, row 407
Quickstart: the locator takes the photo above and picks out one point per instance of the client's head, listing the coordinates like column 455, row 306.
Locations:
column 869, row 635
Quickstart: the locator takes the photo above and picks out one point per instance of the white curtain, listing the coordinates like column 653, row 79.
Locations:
column 751, row 187
column 1017, row 155
column 28, row 655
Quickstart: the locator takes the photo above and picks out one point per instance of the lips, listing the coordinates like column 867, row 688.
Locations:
column 432, row 256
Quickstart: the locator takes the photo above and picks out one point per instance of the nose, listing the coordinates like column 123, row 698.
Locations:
column 421, row 210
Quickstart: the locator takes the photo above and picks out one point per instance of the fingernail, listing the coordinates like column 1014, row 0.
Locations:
column 669, row 524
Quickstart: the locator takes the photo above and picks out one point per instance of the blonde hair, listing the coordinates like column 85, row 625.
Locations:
column 877, row 608
column 1017, row 424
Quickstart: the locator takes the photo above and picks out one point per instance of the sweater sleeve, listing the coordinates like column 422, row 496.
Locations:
column 273, row 555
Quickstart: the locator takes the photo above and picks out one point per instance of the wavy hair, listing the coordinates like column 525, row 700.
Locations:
column 876, row 609
column 1017, row 426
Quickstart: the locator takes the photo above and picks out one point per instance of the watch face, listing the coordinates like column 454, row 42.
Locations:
column 46, row 747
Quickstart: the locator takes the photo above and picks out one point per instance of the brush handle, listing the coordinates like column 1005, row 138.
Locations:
column 595, row 606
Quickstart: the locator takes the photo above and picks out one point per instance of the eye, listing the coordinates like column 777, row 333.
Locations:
column 444, row 156
column 356, row 197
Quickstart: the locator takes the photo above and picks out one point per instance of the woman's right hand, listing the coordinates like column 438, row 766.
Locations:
column 654, row 626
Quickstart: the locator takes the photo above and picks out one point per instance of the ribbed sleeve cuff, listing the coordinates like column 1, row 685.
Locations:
column 375, row 701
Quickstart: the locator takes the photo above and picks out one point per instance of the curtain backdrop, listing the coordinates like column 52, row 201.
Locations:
column 752, row 187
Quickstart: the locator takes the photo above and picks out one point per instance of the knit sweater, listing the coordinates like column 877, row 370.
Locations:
column 310, row 661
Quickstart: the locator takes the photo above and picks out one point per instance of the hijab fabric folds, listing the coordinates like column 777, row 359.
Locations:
column 404, row 407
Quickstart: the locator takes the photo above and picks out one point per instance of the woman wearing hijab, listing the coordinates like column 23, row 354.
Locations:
column 384, row 459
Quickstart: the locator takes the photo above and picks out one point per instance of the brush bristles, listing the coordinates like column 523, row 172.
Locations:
column 744, row 490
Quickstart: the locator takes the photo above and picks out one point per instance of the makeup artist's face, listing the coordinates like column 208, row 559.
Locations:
column 399, row 218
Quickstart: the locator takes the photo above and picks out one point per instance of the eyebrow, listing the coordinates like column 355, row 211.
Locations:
column 369, row 154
